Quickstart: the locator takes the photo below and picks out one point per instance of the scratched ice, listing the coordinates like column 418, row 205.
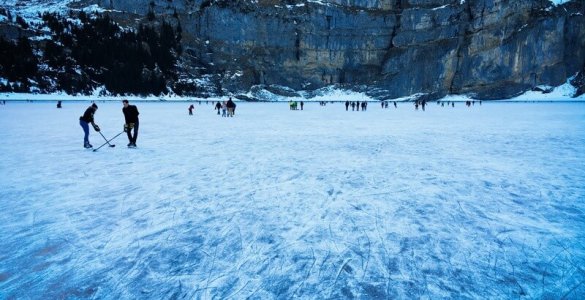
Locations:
column 479, row 202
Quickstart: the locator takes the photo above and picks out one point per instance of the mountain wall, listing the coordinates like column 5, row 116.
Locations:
column 491, row 49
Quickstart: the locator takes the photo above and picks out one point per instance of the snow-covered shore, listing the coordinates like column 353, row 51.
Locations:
column 563, row 92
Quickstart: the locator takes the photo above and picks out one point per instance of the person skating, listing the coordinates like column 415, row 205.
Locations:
column 302, row 104
column 395, row 105
column 231, row 106
column 357, row 106
column 131, row 116
column 224, row 109
column 352, row 106
column 84, row 122
column 191, row 108
column 218, row 107
column 346, row 105
column 59, row 104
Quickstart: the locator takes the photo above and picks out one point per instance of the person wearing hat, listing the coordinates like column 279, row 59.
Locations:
column 131, row 115
column 85, row 120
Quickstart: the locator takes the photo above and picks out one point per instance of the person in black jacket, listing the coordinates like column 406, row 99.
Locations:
column 218, row 107
column 231, row 106
column 131, row 115
column 85, row 120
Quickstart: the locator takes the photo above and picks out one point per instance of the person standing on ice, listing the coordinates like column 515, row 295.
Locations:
column 302, row 104
column 131, row 115
column 218, row 107
column 223, row 109
column 191, row 108
column 346, row 105
column 231, row 106
column 84, row 122
column 352, row 106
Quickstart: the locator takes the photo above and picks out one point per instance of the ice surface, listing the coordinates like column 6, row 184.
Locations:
column 480, row 202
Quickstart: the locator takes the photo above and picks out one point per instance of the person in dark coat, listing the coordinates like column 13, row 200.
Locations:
column 191, row 108
column 84, row 122
column 131, row 116
column 231, row 106
column 302, row 104
column 218, row 107
column 346, row 105
column 59, row 104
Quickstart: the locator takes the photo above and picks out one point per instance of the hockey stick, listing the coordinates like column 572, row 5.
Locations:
column 108, row 141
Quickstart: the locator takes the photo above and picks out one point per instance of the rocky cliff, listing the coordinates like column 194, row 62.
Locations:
column 491, row 49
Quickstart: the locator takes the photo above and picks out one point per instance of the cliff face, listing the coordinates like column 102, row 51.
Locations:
column 489, row 48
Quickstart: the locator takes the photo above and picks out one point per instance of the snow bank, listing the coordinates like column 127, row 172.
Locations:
column 563, row 92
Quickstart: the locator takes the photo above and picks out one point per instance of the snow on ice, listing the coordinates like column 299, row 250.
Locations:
column 465, row 202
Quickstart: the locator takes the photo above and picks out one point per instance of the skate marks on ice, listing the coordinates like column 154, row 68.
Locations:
column 269, row 205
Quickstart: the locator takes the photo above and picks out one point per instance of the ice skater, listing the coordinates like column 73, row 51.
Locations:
column 191, row 108
column 58, row 104
column 231, row 106
column 224, row 109
column 218, row 107
column 131, row 116
column 302, row 105
column 346, row 105
column 84, row 122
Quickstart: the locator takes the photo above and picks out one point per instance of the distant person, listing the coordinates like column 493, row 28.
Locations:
column 224, row 109
column 357, row 106
column 452, row 104
column 302, row 104
column 131, row 116
column 59, row 104
column 352, row 106
column 218, row 107
column 346, row 105
column 231, row 106
column 385, row 104
column 191, row 108
column 395, row 106
column 84, row 122
column 364, row 105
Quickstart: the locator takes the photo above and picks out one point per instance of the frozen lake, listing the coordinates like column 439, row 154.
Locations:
column 467, row 202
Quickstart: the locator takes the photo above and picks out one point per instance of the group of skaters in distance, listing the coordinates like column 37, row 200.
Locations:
column 228, row 108
column 130, row 126
column 355, row 106
column 293, row 105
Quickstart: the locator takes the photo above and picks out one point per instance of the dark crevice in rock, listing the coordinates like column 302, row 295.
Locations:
column 396, row 27
column 464, row 28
